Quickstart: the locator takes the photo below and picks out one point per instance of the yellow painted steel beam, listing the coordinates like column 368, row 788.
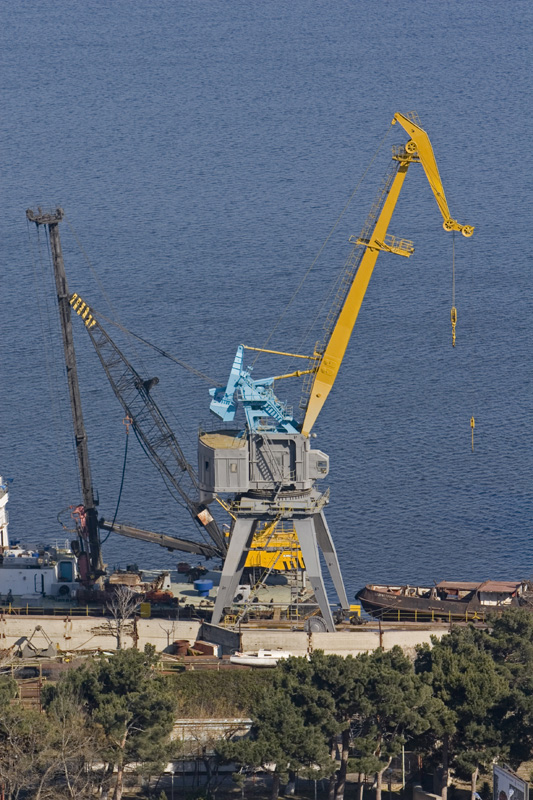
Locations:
column 419, row 143
column 276, row 352
column 338, row 342
column 278, row 550
column 417, row 149
column 296, row 374
column 82, row 310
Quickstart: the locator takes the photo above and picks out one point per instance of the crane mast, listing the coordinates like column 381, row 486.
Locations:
column 89, row 552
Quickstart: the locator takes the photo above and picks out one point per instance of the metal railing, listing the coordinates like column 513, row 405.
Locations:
column 53, row 611
column 399, row 615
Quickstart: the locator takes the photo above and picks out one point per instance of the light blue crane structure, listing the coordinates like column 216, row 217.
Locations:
column 263, row 410
column 271, row 470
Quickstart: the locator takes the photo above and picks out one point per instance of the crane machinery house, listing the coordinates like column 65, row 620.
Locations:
column 231, row 462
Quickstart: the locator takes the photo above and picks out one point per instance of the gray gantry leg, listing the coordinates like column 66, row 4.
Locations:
column 241, row 537
column 325, row 542
column 307, row 537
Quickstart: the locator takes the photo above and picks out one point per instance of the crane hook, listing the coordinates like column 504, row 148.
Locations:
column 453, row 316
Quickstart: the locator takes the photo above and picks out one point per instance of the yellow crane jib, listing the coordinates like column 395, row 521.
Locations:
column 420, row 145
column 82, row 310
column 375, row 239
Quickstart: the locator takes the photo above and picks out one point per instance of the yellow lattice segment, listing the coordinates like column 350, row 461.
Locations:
column 275, row 547
column 82, row 310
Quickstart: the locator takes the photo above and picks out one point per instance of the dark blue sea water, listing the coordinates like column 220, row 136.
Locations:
column 202, row 152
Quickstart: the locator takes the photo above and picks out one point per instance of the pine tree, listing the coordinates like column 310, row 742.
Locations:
column 290, row 728
column 510, row 642
column 474, row 692
column 336, row 687
column 397, row 707
column 132, row 706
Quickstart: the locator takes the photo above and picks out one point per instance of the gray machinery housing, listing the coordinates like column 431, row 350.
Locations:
column 234, row 462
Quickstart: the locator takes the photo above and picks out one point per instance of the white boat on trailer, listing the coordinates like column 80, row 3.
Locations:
column 263, row 658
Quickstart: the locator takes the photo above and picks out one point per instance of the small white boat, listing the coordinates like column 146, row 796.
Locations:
column 263, row 658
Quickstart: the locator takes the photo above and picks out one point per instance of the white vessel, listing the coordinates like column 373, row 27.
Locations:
column 33, row 573
column 263, row 658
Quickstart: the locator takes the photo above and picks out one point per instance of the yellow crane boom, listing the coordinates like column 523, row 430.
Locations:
column 420, row 144
column 417, row 149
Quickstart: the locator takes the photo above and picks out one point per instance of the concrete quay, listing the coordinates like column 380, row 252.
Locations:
column 360, row 639
column 86, row 634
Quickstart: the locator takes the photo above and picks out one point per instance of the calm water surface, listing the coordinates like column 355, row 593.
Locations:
column 202, row 152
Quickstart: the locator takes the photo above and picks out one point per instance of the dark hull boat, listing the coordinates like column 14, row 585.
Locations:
column 447, row 600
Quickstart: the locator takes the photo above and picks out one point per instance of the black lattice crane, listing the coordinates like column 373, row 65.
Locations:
column 87, row 548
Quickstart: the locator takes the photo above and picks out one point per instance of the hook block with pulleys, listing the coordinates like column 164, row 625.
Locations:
column 453, row 317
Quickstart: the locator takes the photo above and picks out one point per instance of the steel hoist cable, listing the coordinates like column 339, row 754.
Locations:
column 96, row 278
column 127, row 422
column 125, row 330
column 453, row 312
column 471, row 371
column 164, row 353
column 88, row 260
column 453, row 317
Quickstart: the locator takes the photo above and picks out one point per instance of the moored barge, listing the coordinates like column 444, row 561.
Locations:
column 447, row 600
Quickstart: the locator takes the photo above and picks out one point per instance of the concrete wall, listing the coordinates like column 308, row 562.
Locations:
column 92, row 633
column 96, row 633
column 358, row 640
column 352, row 642
column 228, row 640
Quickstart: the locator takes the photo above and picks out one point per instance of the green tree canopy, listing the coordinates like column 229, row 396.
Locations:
column 132, row 706
column 510, row 642
column 474, row 691
column 396, row 707
column 334, row 687
column 290, row 728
